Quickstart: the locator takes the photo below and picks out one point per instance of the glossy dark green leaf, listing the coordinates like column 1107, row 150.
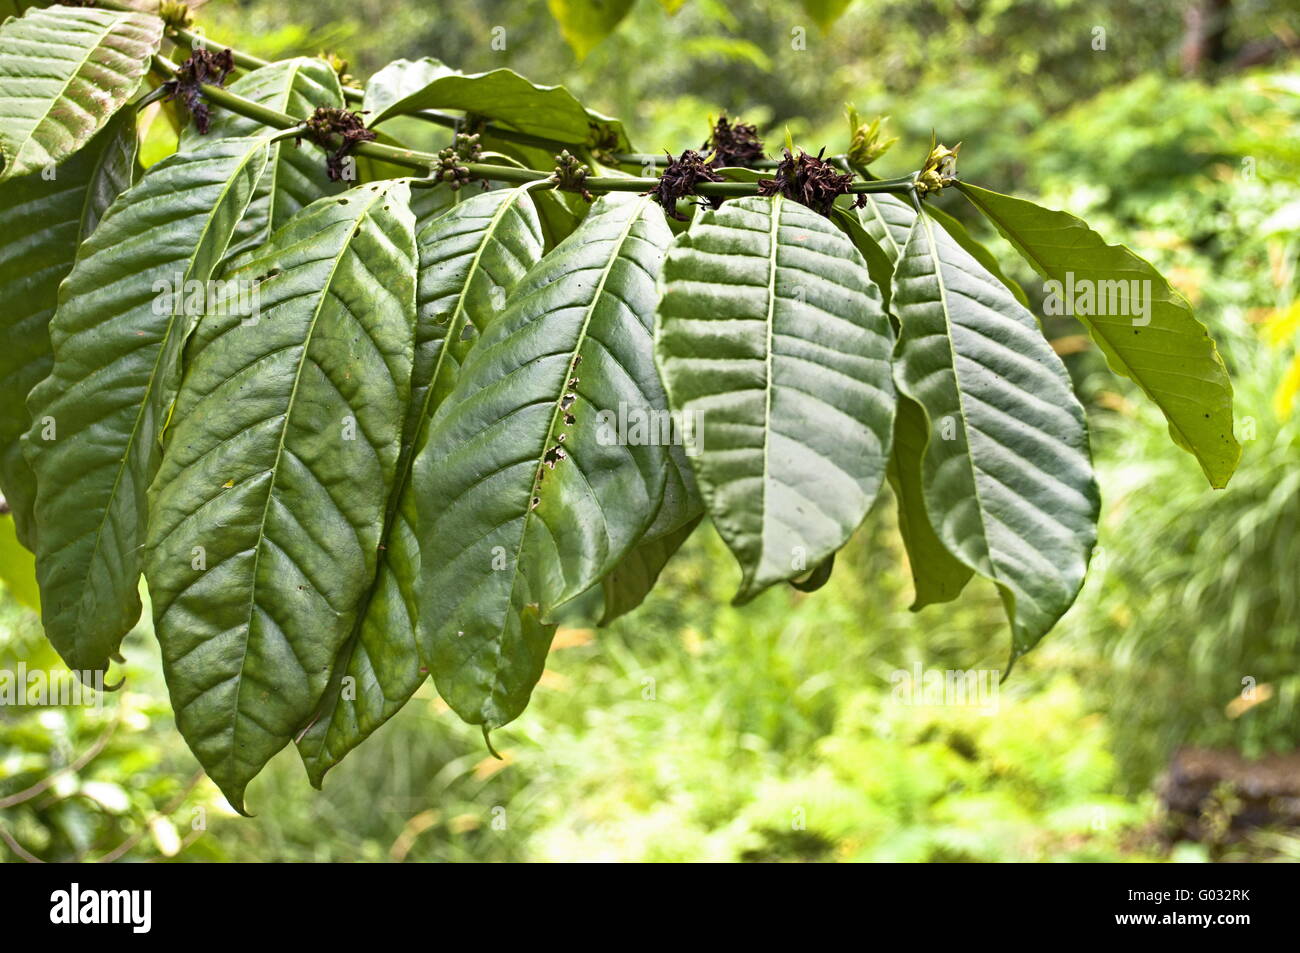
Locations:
column 978, row 251
column 43, row 219
column 817, row 578
column 471, row 259
column 773, row 337
column 63, row 73
column 406, row 86
column 96, row 419
column 267, row 512
column 1006, row 474
column 626, row 587
column 296, row 175
column 1165, row 351
column 523, row 502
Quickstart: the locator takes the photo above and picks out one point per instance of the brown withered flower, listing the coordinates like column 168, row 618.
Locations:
column 734, row 145
column 809, row 180
column 203, row 67
column 679, row 179
column 330, row 121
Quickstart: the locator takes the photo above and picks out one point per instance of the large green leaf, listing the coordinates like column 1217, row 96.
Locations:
column 772, row 335
column 406, row 86
column 43, row 219
column 63, row 73
column 631, row 580
column 267, row 512
column 1006, row 475
column 117, row 337
column 1166, row 351
column 584, row 23
column 471, row 259
column 296, row 175
column 937, row 575
column 523, row 502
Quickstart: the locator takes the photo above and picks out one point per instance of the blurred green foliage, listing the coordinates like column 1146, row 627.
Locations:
column 695, row 730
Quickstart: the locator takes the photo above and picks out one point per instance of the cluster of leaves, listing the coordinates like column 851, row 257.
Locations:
column 355, row 434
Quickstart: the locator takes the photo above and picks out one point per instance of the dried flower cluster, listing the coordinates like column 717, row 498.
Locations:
column 329, row 121
column 809, row 180
column 678, row 180
column 203, row 67
column 733, row 145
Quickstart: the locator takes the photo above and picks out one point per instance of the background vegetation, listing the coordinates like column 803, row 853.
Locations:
column 694, row 730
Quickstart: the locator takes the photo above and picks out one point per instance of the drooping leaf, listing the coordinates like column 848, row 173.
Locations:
column 584, row 23
column 471, row 259
column 880, row 266
column 63, row 73
column 43, row 219
column 17, row 569
column 123, row 316
column 1164, row 350
column 406, row 86
column 888, row 220
column 819, row 576
column 523, row 504
column 825, row 12
column 626, row 587
column 1005, row 474
column 296, row 175
column 937, row 575
column 773, row 337
column 266, row 515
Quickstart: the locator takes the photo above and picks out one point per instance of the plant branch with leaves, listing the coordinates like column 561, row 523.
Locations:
column 361, row 415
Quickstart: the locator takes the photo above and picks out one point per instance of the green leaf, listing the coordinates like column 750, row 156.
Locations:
column 406, row 86
column 471, row 259
column 937, row 575
column 523, row 502
column 17, row 569
column 43, row 220
column 63, row 73
column 277, row 473
column 825, row 12
column 976, row 250
column 772, row 335
column 1166, row 351
column 116, row 338
column 1006, row 475
column 888, row 220
column 584, row 23
column 626, row 587
column 811, row 582
column 296, row 174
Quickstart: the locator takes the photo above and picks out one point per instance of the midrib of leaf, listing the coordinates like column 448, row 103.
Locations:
column 961, row 396
column 555, row 416
column 323, row 294
column 106, row 30
column 884, row 227
column 773, row 233
column 1097, row 327
column 153, row 374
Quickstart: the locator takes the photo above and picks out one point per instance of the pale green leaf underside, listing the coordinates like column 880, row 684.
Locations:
column 406, row 86
column 1167, row 352
column 43, row 220
column 97, row 418
column 63, row 73
column 1006, row 474
column 278, row 465
column 773, row 337
column 471, row 259
column 522, row 505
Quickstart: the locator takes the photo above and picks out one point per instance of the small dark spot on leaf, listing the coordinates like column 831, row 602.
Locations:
column 467, row 332
column 567, row 401
column 554, row 456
